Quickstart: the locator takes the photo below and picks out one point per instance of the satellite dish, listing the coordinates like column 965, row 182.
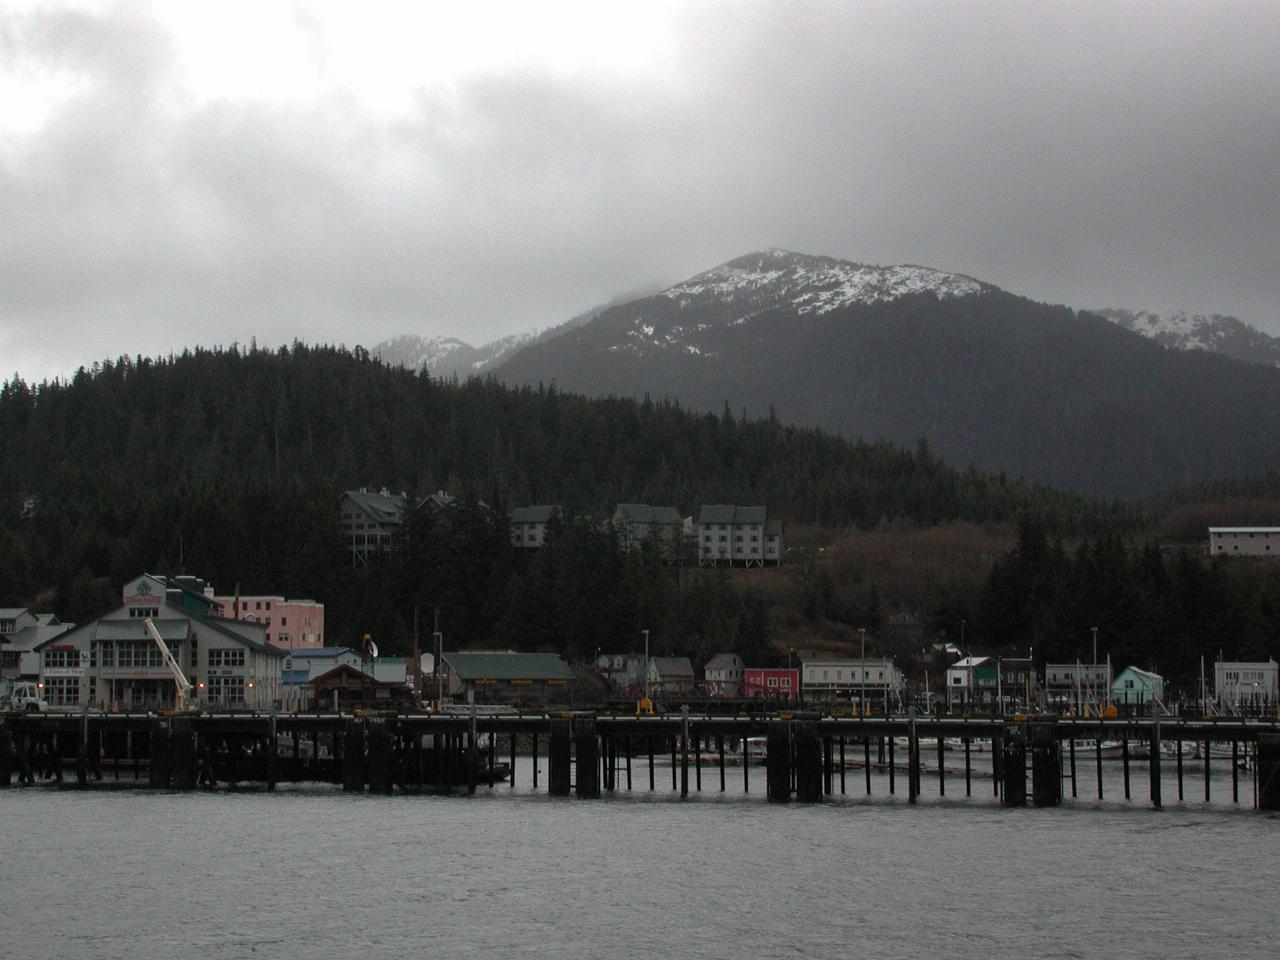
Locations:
column 426, row 662
column 369, row 649
column 373, row 650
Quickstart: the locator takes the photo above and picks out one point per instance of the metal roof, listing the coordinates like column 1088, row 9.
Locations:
column 1244, row 529
column 644, row 513
column 388, row 508
column 28, row 638
column 722, row 660
column 294, row 678
column 509, row 666
column 727, row 513
column 314, row 653
column 673, row 667
column 137, row 630
column 538, row 513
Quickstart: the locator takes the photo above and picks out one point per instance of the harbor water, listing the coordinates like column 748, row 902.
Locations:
column 311, row 872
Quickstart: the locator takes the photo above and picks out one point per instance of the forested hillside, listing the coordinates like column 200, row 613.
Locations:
column 229, row 464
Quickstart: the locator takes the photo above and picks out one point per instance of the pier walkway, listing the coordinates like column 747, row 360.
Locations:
column 806, row 757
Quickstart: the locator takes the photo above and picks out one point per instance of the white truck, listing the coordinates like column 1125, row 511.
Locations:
column 27, row 696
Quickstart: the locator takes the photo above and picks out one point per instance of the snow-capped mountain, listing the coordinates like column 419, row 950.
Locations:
column 1214, row 333
column 759, row 284
column 813, row 284
column 446, row 357
column 908, row 353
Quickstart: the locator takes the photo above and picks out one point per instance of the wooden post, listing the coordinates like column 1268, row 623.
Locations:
column 586, row 770
column 378, row 738
column 1208, row 754
column 1156, row 786
column 1124, row 753
column 1267, row 767
column 182, row 751
column 560, row 772
column 697, row 761
column 1013, row 762
column 1071, row 750
column 866, row 762
column 1179, row 767
column 720, row 750
column 1235, row 769
column 968, row 768
column 512, row 771
column 746, row 765
column 893, row 770
column 807, row 751
column 778, row 759
column 159, row 770
column 1046, row 766
column 942, row 767
column 535, row 761
column 352, row 755
column 842, row 765
column 913, row 763
column 627, row 746
column 6, row 754
column 684, row 756
column 649, row 743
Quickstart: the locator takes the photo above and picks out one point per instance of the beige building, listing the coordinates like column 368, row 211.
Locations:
column 112, row 662
column 529, row 526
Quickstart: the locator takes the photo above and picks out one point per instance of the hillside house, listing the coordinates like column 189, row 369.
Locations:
column 529, row 525
column 640, row 523
column 1244, row 541
column 849, row 680
column 737, row 536
column 671, row 676
column 372, row 522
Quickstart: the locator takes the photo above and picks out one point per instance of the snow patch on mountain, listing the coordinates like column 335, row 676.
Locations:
column 815, row 284
column 1212, row 332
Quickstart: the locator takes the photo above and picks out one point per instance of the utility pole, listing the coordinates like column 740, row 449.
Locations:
column 647, row 665
column 862, row 697
column 438, row 667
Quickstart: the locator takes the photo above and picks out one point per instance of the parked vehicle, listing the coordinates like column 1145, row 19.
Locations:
column 28, row 697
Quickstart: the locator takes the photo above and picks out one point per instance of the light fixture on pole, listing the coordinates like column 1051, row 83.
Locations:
column 647, row 666
column 862, row 697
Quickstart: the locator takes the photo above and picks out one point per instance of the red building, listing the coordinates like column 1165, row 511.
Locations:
column 776, row 683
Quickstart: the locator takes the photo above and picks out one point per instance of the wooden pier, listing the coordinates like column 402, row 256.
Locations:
column 1039, row 760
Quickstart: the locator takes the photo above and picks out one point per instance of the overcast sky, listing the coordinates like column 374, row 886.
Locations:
column 178, row 174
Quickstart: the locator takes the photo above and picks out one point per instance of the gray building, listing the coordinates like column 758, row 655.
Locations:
column 21, row 631
column 113, row 663
column 529, row 525
column 372, row 522
column 639, row 523
column 1244, row 541
column 724, row 674
column 741, row 536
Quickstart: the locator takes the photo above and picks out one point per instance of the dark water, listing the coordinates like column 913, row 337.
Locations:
column 313, row 873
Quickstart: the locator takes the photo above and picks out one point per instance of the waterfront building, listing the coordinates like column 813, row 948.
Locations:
column 723, row 675
column 672, row 676
column 625, row 672
column 991, row 683
column 848, row 680
column 1133, row 686
column 771, row 683
column 21, row 631
column 1244, row 541
column 1245, row 684
column 1076, row 685
column 734, row 535
column 529, row 525
column 289, row 624
column 505, row 676
column 343, row 686
column 112, row 662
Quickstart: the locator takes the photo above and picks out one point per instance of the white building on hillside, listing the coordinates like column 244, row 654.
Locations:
column 1244, row 541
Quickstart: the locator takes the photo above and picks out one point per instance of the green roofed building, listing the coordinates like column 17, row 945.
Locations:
column 640, row 522
column 505, row 676
column 529, row 525
column 737, row 536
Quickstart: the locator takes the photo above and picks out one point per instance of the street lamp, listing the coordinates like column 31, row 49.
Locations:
column 862, row 696
column 646, row 663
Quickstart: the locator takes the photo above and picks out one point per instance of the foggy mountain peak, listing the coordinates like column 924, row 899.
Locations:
column 814, row 284
column 1214, row 333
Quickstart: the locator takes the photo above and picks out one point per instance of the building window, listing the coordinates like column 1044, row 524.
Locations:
column 141, row 613
column 62, row 690
column 228, row 691
column 226, row 658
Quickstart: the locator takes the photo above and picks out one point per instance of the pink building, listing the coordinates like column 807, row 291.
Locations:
column 771, row 683
column 290, row 624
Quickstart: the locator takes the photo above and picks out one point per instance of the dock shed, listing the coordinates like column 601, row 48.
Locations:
column 506, row 676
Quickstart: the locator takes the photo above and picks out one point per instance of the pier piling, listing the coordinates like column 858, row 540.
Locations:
column 1013, row 765
column 1046, row 766
column 560, row 771
column 1268, row 771
column 778, row 761
column 587, row 769
column 159, row 770
column 353, row 769
column 807, row 750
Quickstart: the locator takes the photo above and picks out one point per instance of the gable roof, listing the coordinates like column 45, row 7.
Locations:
column 538, row 513
column 728, row 513
column 509, row 666
column 28, row 638
column 318, row 653
column 385, row 508
column 673, row 667
column 722, row 661
column 644, row 513
column 11, row 613
column 169, row 630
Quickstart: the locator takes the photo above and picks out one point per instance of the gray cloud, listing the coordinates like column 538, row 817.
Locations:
column 1101, row 155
